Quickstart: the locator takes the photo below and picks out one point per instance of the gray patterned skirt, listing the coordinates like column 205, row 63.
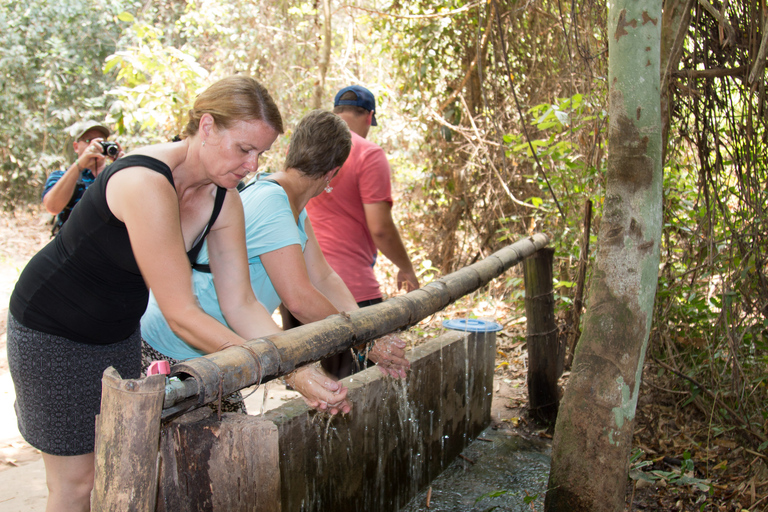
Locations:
column 58, row 385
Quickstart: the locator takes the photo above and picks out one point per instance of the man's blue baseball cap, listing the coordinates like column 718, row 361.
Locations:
column 365, row 99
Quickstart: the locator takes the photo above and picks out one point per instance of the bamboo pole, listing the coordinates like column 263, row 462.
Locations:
column 205, row 379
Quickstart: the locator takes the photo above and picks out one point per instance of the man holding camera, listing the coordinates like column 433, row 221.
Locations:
column 63, row 189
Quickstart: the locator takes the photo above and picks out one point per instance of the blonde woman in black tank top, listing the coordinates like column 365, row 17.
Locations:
column 81, row 298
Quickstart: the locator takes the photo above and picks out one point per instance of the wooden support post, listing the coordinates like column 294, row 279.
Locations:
column 574, row 332
column 544, row 354
column 127, row 436
column 219, row 466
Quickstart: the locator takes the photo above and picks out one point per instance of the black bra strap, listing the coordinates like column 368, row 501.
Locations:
column 204, row 267
column 221, row 194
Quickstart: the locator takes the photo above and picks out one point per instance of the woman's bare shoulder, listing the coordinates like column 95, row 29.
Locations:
column 171, row 154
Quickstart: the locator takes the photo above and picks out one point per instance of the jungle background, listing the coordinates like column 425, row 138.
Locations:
column 494, row 117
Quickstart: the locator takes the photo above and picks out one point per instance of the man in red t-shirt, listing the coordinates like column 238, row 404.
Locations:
column 354, row 219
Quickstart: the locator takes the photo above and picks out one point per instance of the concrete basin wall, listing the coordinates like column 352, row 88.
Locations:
column 399, row 436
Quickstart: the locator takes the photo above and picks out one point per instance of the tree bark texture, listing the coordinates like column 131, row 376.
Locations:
column 127, row 434
column 325, row 56
column 544, row 354
column 593, row 434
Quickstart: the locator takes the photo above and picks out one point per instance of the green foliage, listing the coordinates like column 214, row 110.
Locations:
column 50, row 78
column 712, row 300
column 451, row 65
column 572, row 173
column 158, row 83
column 643, row 470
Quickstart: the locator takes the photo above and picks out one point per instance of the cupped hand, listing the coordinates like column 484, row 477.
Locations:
column 388, row 352
column 319, row 390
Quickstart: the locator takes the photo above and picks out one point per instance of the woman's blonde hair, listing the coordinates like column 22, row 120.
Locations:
column 232, row 99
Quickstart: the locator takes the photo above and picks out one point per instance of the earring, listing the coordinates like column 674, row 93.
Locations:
column 203, row 143
column 328, row 188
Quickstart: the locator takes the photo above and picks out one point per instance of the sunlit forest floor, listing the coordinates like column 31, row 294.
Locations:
column 681, row 461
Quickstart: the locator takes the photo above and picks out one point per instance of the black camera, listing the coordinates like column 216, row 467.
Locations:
column 109, row 148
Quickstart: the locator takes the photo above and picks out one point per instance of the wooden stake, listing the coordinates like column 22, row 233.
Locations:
column 543, row 349
column 127, row 436
column 578, row 298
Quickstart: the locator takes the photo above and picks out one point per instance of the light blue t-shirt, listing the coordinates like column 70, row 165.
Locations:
column 269, row 225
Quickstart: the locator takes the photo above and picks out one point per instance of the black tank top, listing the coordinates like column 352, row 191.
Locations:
column 85, row 285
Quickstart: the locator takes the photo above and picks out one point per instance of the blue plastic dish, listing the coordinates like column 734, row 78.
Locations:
column 469, row 325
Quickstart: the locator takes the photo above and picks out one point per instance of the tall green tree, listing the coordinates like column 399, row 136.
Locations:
column 51, row 58
column 593, row 434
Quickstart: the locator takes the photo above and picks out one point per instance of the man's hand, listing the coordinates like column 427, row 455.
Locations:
column 320, row 391
column 388, row 352
column 407, row 280
column 93, row 157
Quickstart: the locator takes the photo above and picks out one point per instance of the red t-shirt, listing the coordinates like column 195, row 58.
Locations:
column 338, row 218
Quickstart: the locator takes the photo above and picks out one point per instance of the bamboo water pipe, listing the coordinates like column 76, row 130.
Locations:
column 203, row 380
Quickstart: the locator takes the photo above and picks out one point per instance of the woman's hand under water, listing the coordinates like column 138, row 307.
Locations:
column 320, row 391
column 388, row 352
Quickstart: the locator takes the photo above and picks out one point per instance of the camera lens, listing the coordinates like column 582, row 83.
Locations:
column 110, row 148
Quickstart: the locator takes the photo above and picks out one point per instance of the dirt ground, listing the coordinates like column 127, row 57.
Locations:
column 683, row 462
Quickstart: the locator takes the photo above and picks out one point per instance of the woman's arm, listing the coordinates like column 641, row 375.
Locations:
column 229, row 263
column 388, row 352
column 247, row 316
column 148, row 205
column 288, row 274
column 229, row 267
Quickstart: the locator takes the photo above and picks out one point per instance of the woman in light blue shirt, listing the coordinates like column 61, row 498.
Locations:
column 285, row 261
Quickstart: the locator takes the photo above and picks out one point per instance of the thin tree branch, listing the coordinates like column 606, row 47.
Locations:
column 417, row 16
column 483, row 45
column 510, row 77
column 730, row 39
column 714, row 397
column 762, row 54
column 710, row 73
column 493, row 167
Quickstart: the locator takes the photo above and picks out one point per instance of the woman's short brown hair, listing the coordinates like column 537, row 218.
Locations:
column 321, row 142
column 231, row 99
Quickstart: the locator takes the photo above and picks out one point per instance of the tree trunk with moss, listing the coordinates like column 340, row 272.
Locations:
column 593, row 434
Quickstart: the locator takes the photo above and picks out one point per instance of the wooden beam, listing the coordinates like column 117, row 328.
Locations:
column 224, row 372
